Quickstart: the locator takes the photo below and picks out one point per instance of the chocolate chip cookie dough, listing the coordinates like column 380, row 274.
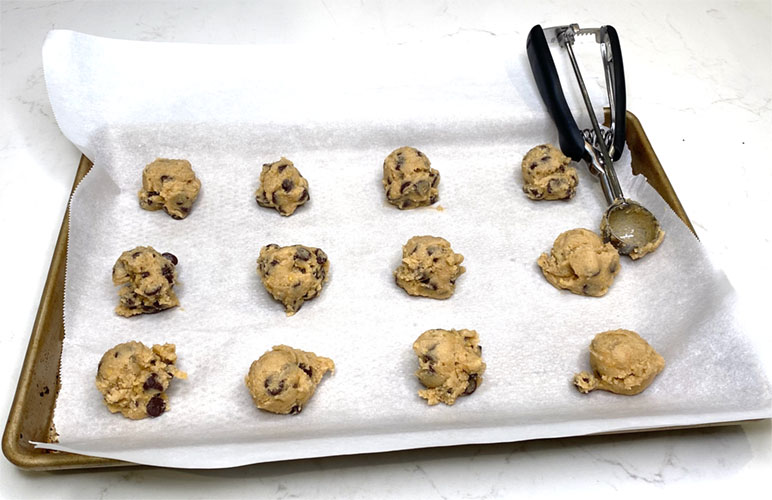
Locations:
column 148, row 279
column 548, row 175
column 429, row 267
column 282, row 187
column 133, row 378
column 409, row 180
column 284, row 379
column 170, row 185
column 581, row 263
column 292, row 274
column 450, row 364
column 622, row 363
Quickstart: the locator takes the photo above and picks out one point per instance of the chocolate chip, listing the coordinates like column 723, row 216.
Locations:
column 406, row 204
column 435, row 180
column 425, row 278
column 170, row 257
column 168, row 273
column 145, row 274
column 296, row 285
column 184, row 210
column 302, row 254
column 156, row 406
column 398, row 166
column 273, row 392
column 272, row 245
column 309, row 371
column 562, row 168
column 302, row 270
column 433, row 200
column 287, row 185
column 281, row 168
column 321, row 257
column 135, row 255
column 116, row 355
column 418, row 153
column 164, row 178
column 304, row 195
column 471, row 384
column 545, row 158
column 153, row 291
column 152, row 193
column 152, row 384
column 274, row 199
column 403, row 187
column 295, row 410
column 533, row 165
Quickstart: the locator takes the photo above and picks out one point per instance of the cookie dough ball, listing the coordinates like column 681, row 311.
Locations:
column 171, row 185
column 282, row 187
column 547, row 174
column 133, row 378
column 581, row 263
column 622, row 362
column 450, row 364
column 292, row 274
column 148, row 279
column 409, row 180
column 429, row 267
column 284, row 379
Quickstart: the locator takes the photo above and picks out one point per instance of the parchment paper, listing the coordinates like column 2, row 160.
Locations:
column 336, row 112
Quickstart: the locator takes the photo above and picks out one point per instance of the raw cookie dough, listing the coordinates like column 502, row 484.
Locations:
column 581, row 263
column 171, row 185
column 547, row 174
column 429, row 267
column 450, row 364
column 292, row 274
column 282, row 187
column 133, row 378
column 148, row 278
column 284, row 379
column 409, row 180
column 622, row 362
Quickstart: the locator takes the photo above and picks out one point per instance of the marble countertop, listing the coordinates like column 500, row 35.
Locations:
column 699, row 78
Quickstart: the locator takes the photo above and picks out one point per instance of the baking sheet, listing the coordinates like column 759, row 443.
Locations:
column 336, row 112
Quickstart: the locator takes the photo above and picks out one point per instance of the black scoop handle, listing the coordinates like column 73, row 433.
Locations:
column 548, row 83
column 620, row 106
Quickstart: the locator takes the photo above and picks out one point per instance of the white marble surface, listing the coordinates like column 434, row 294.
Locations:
column 699, row 78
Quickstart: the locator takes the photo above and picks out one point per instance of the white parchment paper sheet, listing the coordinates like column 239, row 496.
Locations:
column 337, row 111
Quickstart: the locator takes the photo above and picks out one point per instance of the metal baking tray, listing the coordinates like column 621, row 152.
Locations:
column 32, row 410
